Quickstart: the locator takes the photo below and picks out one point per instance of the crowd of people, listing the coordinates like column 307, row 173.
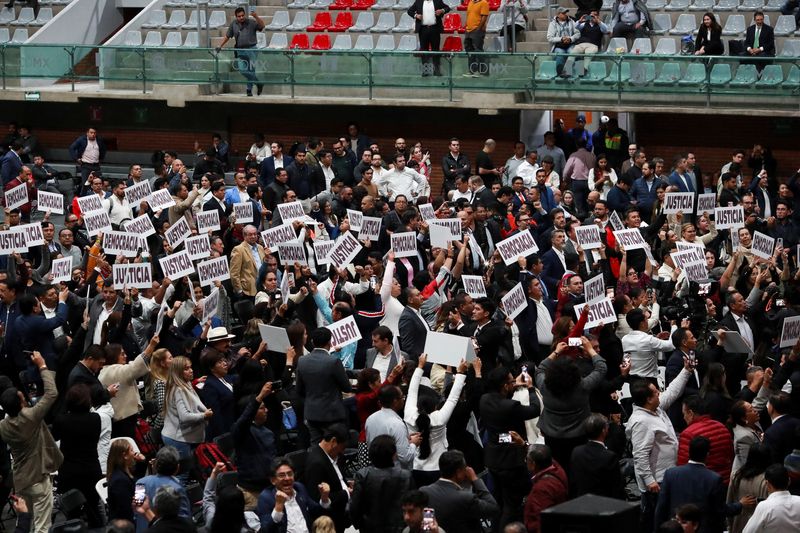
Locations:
column 145, row 410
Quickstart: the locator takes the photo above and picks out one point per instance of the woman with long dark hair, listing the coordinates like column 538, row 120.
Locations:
column 709, row 37
column 121, row 482
column 749, row 481
column 715, row 394
column 746, row 431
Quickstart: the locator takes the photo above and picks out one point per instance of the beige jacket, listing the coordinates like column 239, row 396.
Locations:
column 127, row 402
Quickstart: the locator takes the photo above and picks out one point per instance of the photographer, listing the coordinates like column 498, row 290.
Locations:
column 592, row 30
column 643, row 347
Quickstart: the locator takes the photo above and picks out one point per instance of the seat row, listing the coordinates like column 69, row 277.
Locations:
column 393, row 4
column 174, row 39
column 192, row 4
column 688, row 23
column 707, row 5
column 19, row 37
column 26, row 16
column 322, row 41
column 177, row 20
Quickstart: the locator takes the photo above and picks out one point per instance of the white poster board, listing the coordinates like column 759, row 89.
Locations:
column 790, row 333
column 177, row 265
column 594, row 289
column 448, row 350
column 141, row 225
column 588, row 236
column 50, row 201
column 122, row 243
column 520, row 245
column 474, row 286
column 763, row 245
column 133, row 276
column 345, row 332
column 600, row 312
column 729, row 217
column 276, row 338
column 515, row 301
column 678, row 202
column 198, row 247
column 344, row 251
column 213, row 270
column 208, row 221
column 243, row 212
column 17, row 197
column 404, row 244
column 62, row 269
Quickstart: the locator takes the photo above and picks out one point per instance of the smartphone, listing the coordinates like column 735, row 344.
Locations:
column 290, row 278
column 139, row 494
column 277, row 386
column 504, row 438
column 779, row 242
column 610, row 292
column 574, row 341
column 428, row 519
column 626, row 358
column 779, row 303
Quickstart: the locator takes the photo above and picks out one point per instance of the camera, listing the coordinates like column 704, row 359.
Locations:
column 277, row 386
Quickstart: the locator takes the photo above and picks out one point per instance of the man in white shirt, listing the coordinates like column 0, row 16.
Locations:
column 643, row 347
column 120, row 208
column 527, row 169
column 259, row 150
column 462, row 190
column 402, row 180
column 382, row 356
column 780, row 511
column 513, row 163
column 378, row 172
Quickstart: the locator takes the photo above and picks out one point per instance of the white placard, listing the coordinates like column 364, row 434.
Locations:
column 291, row 211
column 763, row 245
column 440, row 236
column 630, row 239
column 96, row 222
column 588, row 236
column 243, row 212
column 520, row 245
column 33, row 233
column 208, row 221
column 12, row 241
column 616, row 222
column 138, row 192
column 210, row 305
column 685, row 257
column 473, row 245
column 448, row 350
column 213, row 270
column 427, row 212
column 177, row 265
column 675, row 202
column 62, row 269
column 285, row 289
column 474, row 286
column 292, row 252
column 695, row 271
column 370, row 229
column 790, row 332
column 133, row 276
column 276, row 338
column 160, row 199
column 355, row 218
column 600, row 312
column 274, row 236
column 729, row 217
column 141, row 225
column 515, row 301
column 50, row 201
column 706, row 203
column 345, row 332
column 198, row 247
column 321, row 251
column 452, row 224
column 345, row 249
column 122, row 243
column 178, row 232
column 594, row 289
column 17, row 197
column 90, row 204
column 735, row 240
column 682, row 246
column 404, row 244
column 160, row 319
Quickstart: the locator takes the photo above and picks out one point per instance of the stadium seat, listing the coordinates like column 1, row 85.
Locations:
column 192, row 40
column 677, row 5
column 279, row 21
column 616, row 74
column 321, row 22
column 45, row 15
column 176, row 19
column 746, row 76
column 405, row 25
column 261, row 40
column 495, row 23
column 666, row 47
column 25, row 17
column 721, row 74
column 766, row 20
column 362, row 5
column 771, row 76
column 726, row 5
column 536, row 5
column 453, row 44
column 385, row 23
column 173, row 39
column 792, row 80
column 175, row 3
column 773, row 5
column 654, row 5
column 20, row 36
column 785, row 25
column 300, row 42
column 152, row 39
column 662, row 23
column 701, row 5
column 643, row 45
column 4, row 35
column 382, row 5
column 669, row 75
column 734, row 25
column 452, row 23
column 364, row 42
column 320, row 4
column 596, row 73
column 408, row 43
column 132, row 38
column 322, row 41
column 685, row 25
column 402, row 5
column 299, row 4
column 617, row 45
column 343, row 22
column 217, row 19
column 340, row 4
column 752, row 5
column 643, row 73
column 158, row 17
column 302, row 20
column 791, row 48
column 364, row 22
column 695, row 74
column 547, row 71
column 278, row 41
column 342, row 42
column 385, row 43
column 192, row 22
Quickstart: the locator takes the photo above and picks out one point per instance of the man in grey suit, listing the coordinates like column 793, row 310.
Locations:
column 382, row 356
column 459, row 497
column 321, row 380
column 413, row 328
column 101, row 307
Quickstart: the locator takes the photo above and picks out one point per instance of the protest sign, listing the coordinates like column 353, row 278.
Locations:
column 729, row 217
column 97, row 222
column 763, row 245
column 345, row 332
column 473, row 245
column 213, row 270
column 427, row 212
column 452, row 224
column 210, row 305
column 133, row 276
column 404, row 244
column 141, row 226
column 474, row 286
column 90, row 204
column 355, row 219
column 62, row 269
column 515, row 301
column 208, row 221
column 138, row 192
column 291, row 211
column 678, row 202
column 276, row 338
column 345, row 249
column 160, row 319
column 49, row 201
column 706, row 203
column 17, row 197
column 448, row 350
column 630, row 239
column 160, row 199
column 198, row 247
column 274, row 236
column 177, row 265
column 600, row 312
column 321, row 251
column 790, row 333
column 685, row 257
column 33, row 233
column 695, row 271
column 243, row 212
column 616, row 222
column 440, row 236
column 594, row 289
column 12, row 241
column 370, row 229
column 520, row 245
column 178, row 232
column 292, row 252
column 122, row 243
column 588, row 236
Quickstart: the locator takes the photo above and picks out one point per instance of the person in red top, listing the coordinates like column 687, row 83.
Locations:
column 369, row 383
column 699, row 423
column 550, row 485
column 25, row 176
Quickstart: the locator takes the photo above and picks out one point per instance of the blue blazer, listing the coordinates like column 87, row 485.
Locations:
column 675, row 179
column 553, row 271
column 10, row 166
column 219, row 398
column 779, row 437
column 77, row 148
column 35, row 332
column 694, row 483
column 266, row 502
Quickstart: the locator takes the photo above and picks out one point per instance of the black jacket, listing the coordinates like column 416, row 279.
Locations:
column 595, row 470
column 319, row 469
column 501, row 415
column 373, row 488
column 416, row 9
column 766, row 39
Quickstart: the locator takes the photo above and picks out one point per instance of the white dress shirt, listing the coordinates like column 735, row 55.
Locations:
column 91, row 154
column 644, row 349
column 101, row 319
column 744, row 329
column 778, row 513
column 402, row 182
column 428, row 13
column 527, row 172
column 544, row 324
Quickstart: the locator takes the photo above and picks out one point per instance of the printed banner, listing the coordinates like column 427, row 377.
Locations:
column 630, row 239
column 448, row 350
column 12, row 241
column 177, row 265
column 33, row 233
column 321, row 251
column 90, row 204
column 520, row 245
column 290, row 253
column 452, row 224
column 213, row 270
column 594, row 289
column 706, row 203
column 427, row 212
column 210, row 305
column 133, row 276
column 790, row 333
column 355, row 218
column 50, row 201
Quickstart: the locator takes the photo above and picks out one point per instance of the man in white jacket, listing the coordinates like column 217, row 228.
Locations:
column 655, row 444
column 643, row 347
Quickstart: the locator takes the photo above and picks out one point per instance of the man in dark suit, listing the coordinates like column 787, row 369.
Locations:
column 492, row 336
column 413, row 328
column 553, row 261
column 685, row 342
column 427, row 15
column 780, row 436
column 459, row 497
column 595, row 468
column 483, row 194
column 271, row 164
column 729, row 196
column 382, row 344
column 539, row 309
column 35, row 332
column 759, row 40
column 272, row 509
column 739, row 318
column 164, row 516
column 696, row 484
column 109, row 301
column 323, row 466
column 217, row 203
column 321, row 380
column 11, row 163
column 679, row 177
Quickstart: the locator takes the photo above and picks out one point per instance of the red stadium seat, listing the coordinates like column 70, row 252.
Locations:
column 321, row 22
column 361, row 5
column 452, row 23
column 299, row 42
column 343, row 22
column 494, row 5
column 463, row 6
column 341, row 4
column 321, row 42
column 453, row 44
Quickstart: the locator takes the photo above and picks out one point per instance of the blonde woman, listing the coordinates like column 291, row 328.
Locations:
column 156, row 389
